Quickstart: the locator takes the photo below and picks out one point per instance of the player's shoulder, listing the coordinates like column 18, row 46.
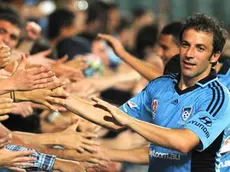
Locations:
column 217, row 98
column 171, row 78
column 217, row 88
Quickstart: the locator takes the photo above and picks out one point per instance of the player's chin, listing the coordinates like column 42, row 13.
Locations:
column 188, row 73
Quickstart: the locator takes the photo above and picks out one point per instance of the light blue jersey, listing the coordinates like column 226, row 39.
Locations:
column 203, row 109
column 224, row 153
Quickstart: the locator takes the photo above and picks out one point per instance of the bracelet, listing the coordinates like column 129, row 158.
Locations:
column 12, row 96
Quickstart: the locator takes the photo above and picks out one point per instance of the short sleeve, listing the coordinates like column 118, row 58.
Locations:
column 208, row 127
column 138, row 106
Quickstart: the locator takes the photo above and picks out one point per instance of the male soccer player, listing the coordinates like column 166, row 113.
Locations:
column 183, row 115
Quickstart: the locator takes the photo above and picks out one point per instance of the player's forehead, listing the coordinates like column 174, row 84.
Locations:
column 193, row 36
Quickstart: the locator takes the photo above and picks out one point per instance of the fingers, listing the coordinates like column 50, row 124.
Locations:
column 24, row 164
column 24, row 159
column 4, row 117
column 5, row 55
column 90, row 135
column 95, row 99
column 22, row 64
column 43, row 82
column 80, row 149
column 24, row 153
column 54, row 85
column 29, row 66
column 90, row 165
column 63, row 59
column 56, row 100
column 104, row 36
column 89, row 148
column 17, row 169
column 7, row 105
column 50, row 106
column 103, row 163
column 38, row 70
column 90, row 142
column 4, row 47
column 44, row 75
column 5, row 100
column 74, row 126
column 27, row 112
column 45, row 53
column 5, row 140
column 102, row 103
column 59, row 92
column 5, row 111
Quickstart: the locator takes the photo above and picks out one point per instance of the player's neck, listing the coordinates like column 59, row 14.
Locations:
column 186, row 82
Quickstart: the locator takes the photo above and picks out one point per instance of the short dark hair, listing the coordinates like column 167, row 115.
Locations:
column 6, row 8
column 173, row 29
column 13, row 19
column 10, row 14
column 125, row 23
column 57, row 20
column 139, row 11
column 205, row 23
column 146, row 37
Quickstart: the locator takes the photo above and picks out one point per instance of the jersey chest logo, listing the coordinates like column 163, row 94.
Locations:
column 154, row 105
column 186, row 112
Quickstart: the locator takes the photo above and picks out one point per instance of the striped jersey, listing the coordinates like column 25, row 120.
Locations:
column 203, row 109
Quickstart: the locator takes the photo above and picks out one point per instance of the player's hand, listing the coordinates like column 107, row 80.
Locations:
column 119, row 117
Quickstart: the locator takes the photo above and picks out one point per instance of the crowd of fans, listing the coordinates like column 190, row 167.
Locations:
column 72, row 54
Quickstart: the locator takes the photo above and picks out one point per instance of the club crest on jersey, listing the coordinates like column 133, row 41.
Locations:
column 154, row 105
column 186, row 112
column 131, row 104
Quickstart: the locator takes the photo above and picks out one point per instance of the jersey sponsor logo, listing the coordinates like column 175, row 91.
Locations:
column 206, row 120
column 131, row 104
column 162, row 155
column 154, row 105
column 186, row 112
column 201, row 126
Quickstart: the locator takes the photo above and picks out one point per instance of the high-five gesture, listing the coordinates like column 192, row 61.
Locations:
column 29, row 79
column 118, row 115
column 81, row 141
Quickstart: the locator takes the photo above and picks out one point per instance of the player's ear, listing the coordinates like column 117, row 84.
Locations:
column 215, row 57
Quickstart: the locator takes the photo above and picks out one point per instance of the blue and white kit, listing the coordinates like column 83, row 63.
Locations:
column 203, row 109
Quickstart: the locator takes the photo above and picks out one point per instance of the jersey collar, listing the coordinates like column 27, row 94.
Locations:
column 202, row 83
